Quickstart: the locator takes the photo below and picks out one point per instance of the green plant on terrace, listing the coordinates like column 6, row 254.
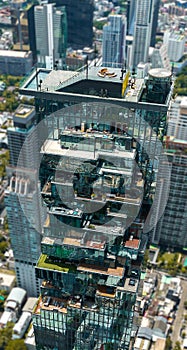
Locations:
column 48, row 263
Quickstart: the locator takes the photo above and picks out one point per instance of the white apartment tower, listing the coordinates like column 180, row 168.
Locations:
column 177, row 121
column 175, row 43
column 114, row 41
column 51, row 35
column 142, row 31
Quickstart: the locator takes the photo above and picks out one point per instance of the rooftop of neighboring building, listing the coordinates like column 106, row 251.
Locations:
column 132, row 243
column 160, row 325
column 30, row 304
column 176, row 36
column 17, row 54
column 23, row 111
column 23, row 117
column 6, row 281
column 145, row 332
column 7, row 316
column 17, row 294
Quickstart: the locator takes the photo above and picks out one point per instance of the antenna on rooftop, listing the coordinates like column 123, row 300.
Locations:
column 95, row 52
column 56, row 65
column 37, row 77
column 123, row 70
column 87, row 67
column 40, row 85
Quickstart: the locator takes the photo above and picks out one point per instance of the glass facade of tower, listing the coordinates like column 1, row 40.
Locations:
column 21, row 197
column 90, row 262
column 142, row 31
column 113, row 44
column 171, row 229
column 97, row 201
column 79, row 16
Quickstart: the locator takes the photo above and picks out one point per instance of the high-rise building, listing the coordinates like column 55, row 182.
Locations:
column 51, row 43
column 156, row 5
column 171, row 229
column 83, row 263
column 22, row 20
column 24, row 118
column 16, row 63
column 131, row 13
column 142, row 31
column 21, row 197
column 160, row 59
column 93, row 240
column 177, row 119
column 175, row 43
column 80, row 22
column 113, row 48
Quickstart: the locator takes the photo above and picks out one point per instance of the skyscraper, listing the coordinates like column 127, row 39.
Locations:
column 156, row 4
column 90, row 273
column 131, row 12
column 80, row 22
column 171, row 229
column 50, row 43
column 93, row 240
column 20, row 196
column 142, row 31
column 113, row 48
column 22, row 19
column 160, row 59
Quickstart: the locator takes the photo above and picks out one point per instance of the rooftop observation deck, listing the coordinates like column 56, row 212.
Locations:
column 91, row 85
column 53, row 80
